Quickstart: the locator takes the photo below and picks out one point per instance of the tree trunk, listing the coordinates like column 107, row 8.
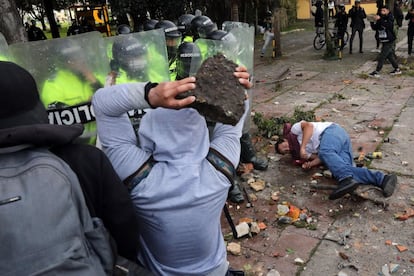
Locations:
column 51, row 17
column 330, row 51
column 235, row 11
column 10, row 22
column 276, row 29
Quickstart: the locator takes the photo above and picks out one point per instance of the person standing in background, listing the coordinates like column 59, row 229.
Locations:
column 34, row 33
column 268, row 34
column 357, row 15
column 410, row 30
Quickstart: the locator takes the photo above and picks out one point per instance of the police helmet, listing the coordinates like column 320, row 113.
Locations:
column 150, row 24
column 129, row 54
column 123, row 29
column 170, row 29
column 69, row 51
column 201, row 24
column 188, row 54
column 221, row 35
column 172, row 37
column 184, row 23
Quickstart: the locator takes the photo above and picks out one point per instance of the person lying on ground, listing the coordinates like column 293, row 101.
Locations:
column 327, row 143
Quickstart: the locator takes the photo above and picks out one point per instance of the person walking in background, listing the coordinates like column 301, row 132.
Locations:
column 410, row 30
column 268, row 32
column 317, row 12
column 379, row 4
column 331, row 9
column 398, row 16
column 341, row 23
column 384, row 24
column 357, row 15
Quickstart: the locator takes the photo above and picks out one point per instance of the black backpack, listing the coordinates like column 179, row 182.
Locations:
column 46, row 226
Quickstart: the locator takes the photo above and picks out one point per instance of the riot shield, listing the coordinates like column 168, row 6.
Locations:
column 230, row 25
column 84, row 55
column 4, row 49
column 67, row 71
column 140, row 56
column 238, row 48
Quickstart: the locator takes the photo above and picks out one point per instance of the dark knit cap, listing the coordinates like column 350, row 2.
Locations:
column 19, row 99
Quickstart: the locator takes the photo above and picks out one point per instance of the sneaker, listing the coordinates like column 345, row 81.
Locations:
column 374, row 74
column 396, row 71
column 388, row 184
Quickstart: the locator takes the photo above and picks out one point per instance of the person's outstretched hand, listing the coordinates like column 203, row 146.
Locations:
column 164, row 94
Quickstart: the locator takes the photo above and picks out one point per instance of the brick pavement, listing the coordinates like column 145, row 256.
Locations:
column 365, row 106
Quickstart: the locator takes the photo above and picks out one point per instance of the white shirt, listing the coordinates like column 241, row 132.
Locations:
column 313, row 145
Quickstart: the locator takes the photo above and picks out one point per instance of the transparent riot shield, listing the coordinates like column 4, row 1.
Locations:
column 83, row 56
column 238, row 47
column 230, row 25
column 68, row 71
column 140, row 56
column 4, row 49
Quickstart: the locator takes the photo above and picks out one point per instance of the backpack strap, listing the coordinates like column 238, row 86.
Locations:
column 134, row 179
column 222, row 164
column 218, row 161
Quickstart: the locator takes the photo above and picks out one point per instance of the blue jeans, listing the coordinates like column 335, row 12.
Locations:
column 335, row 151
column 268, row 40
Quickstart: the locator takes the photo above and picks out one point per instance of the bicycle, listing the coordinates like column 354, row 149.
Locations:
column 319, row 40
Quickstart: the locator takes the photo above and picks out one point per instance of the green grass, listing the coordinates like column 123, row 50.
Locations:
column 300, row 24
column 62, row 31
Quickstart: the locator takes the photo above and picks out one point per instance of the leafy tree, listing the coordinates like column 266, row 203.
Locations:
column 34, row 8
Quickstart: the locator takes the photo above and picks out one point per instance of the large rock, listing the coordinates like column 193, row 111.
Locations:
column 219, row 94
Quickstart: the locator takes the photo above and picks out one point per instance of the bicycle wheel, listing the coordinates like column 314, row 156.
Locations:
column 318, row 42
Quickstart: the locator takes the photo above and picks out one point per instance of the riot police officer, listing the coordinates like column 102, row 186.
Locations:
column 202, row 25
column 188, row 57
column 149, row 24
column 129, row 59
column 172, row 40
column 67, row 91
column 123, row 29
column 184, row 26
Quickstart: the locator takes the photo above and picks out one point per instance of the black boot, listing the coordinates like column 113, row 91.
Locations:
column 235, row 194
column 248, row 153
column 345, row 186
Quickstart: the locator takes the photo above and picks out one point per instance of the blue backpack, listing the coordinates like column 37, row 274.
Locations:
column 46, row 228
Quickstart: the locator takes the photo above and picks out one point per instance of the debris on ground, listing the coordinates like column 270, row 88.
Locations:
column 234, row 248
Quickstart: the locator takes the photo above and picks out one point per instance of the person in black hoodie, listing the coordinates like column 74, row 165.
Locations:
column 24, row 121
column 357, row 15
column 410, row 30
column 384, row 24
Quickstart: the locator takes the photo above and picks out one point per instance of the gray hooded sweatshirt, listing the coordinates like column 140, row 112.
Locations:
column 179, row 203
